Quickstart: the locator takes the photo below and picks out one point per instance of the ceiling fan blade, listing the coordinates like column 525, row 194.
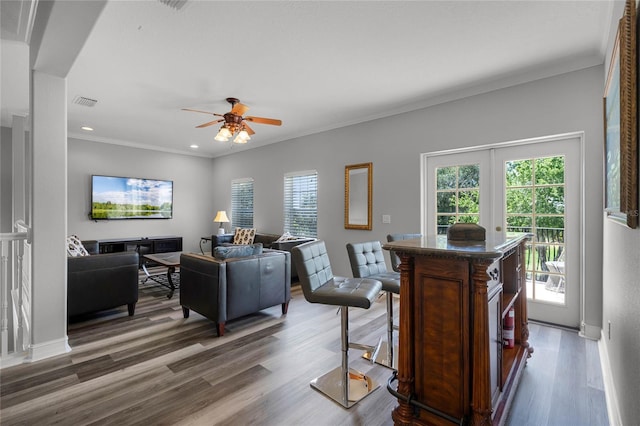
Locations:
column 239, row 109
column 248, row 129
column 204, row 112
column 263, row 120
column 210, row 123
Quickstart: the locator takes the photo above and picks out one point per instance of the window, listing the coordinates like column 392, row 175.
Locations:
column 301, row 203
column 242, row 203
column 458, row 195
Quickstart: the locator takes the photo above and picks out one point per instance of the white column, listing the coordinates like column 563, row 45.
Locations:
column 18, row 144
column 49, row 220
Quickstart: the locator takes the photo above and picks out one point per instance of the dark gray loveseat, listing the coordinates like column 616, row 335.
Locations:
column 269, row 241
column 102, row 281
column 222, row 290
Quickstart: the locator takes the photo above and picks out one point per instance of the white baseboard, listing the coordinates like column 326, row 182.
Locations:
column 12, row 359
column 590, row 331
column 613, row 410
column 41, row 351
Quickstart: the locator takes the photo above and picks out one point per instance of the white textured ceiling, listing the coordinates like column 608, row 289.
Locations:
column 316, row 65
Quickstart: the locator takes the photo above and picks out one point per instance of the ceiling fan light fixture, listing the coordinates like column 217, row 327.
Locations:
column 234, row 122
column 223, row 135
column 243, row 137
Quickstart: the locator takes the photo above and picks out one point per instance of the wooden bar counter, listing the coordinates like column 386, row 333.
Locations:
column 455, row 300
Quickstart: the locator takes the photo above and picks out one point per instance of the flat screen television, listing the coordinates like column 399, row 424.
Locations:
column 114, row 197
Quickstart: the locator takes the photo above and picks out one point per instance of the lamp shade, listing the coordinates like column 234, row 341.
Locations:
column 221, row 216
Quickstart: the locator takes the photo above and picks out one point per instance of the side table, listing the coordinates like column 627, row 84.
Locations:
column 203, row 240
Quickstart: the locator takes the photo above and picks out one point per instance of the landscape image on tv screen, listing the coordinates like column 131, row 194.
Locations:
column 115, row 197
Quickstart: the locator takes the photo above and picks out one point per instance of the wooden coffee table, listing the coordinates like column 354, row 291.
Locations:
column 172, row 261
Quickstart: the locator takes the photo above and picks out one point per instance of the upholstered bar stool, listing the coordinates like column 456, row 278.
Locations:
column 343, row 385
column 395, row 259
column 367, row 261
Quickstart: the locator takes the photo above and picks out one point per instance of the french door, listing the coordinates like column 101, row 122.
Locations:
column 527, row 186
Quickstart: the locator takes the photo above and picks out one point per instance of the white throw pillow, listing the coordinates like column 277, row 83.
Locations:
column 75, row 247
column 285, row 237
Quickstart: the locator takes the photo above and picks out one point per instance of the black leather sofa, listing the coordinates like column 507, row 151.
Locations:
column 101, row 281
column 222, row 290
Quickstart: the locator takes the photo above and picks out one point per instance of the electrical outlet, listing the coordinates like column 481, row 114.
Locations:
column 386, row 218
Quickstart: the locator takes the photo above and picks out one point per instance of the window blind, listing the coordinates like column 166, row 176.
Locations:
column 242, row 203
column 301, row 203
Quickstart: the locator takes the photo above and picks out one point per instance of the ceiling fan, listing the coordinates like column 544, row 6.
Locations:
column 235, row 122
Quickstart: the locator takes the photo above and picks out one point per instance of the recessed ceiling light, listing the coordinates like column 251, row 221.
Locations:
column 87, row 128
column 194, row 146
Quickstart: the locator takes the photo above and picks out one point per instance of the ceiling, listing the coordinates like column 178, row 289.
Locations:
column 316, row 65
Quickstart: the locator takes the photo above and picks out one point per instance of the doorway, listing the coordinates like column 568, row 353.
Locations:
column 532, row 186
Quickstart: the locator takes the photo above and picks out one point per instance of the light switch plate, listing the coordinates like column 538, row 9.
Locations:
column 386, row 218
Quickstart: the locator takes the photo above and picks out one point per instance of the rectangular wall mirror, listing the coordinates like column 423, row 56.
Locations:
column 358, row 194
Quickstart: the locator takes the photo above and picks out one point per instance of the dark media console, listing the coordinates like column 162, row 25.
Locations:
column 141, row 245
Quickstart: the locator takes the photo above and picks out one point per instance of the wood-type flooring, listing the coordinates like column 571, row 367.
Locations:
column 157, row 368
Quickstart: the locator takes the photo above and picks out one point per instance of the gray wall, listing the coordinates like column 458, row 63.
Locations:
column 621, row 300
column 193, row 202
column 561, row 104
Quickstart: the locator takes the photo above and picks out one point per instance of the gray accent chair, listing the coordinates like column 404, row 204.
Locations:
column 395, row 259
column 222, row 290
column 319, row 285
column 367, row 261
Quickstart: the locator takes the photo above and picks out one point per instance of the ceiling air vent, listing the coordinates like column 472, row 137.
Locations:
column 176, row 4
column 81, row 100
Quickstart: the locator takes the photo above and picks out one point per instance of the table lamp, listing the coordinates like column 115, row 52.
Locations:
column 221, row 217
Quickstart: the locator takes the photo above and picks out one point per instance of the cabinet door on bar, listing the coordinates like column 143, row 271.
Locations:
column 442, row 364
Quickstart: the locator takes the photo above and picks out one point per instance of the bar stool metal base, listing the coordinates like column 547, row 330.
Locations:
column 331, row 384
column 381, row 356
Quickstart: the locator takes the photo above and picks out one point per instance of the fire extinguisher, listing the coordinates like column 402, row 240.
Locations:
column 508, row 327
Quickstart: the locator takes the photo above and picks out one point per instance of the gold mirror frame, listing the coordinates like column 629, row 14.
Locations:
column 357, row 193
column 620, row 124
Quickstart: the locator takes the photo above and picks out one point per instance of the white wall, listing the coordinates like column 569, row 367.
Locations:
column 48, row 322
column 621, row 300
column 193, row 201
column 565, row 103
column 6, row 224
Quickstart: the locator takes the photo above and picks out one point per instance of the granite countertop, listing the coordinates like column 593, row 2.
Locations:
column 492, row 248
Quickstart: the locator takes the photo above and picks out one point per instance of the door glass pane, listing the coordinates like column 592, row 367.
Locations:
column 457, row 195
column 444, row 222
column 549, row 170
column 551, row 224
column 520, row 200
column 468, row 201
column 535, row 202
column 469, row 176
column 469, row 218
column 519, row 223
column 550, row 200
column 446, row 202
column 446, row 177
column 519, row 173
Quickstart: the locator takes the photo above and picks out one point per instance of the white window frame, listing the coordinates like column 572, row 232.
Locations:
column 309, row 214
column 241, row 217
